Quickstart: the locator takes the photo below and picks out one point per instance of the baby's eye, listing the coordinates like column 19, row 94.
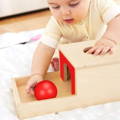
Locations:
column 73, row 4
column 55, row 7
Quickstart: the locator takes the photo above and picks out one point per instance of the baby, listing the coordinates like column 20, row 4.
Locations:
column 75, row 21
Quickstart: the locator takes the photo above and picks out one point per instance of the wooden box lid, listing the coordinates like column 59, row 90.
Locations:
column 74, row 52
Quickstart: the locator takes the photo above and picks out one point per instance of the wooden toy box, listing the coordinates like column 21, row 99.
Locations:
column 83, row 80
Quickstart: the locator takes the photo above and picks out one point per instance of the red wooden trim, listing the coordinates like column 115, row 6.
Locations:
column 64, row 60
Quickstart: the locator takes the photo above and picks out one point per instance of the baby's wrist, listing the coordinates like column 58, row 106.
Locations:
column 112, row 40
column 37, row 75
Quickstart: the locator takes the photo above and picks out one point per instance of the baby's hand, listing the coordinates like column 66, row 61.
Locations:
column 55, row 64
column 103, row 47
column 34, row 79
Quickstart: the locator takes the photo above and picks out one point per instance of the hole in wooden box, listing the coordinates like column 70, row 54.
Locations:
column 63, row 87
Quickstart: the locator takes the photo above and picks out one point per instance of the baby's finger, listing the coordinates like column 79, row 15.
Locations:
column 112, row 50
column 86, row 49
column 31, row 91
column 92, row 50
column 30, row 85
column 105, row 50
column 27, row 89
column 98, row 51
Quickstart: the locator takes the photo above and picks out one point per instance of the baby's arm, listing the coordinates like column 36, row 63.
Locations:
column 109, row 40
column 40, row 64
column 113, row 30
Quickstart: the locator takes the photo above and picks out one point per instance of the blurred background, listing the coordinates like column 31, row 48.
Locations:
column 23, row 15
column 12, row 7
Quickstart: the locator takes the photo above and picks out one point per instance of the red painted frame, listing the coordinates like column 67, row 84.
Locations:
column 64, row 60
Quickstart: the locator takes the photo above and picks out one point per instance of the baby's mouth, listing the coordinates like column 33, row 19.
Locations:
column 69, row 20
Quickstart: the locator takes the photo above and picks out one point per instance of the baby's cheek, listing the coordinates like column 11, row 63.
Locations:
column 56, row 14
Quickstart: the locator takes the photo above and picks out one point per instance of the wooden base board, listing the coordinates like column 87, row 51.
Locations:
column 27, row 106
column 25, row 102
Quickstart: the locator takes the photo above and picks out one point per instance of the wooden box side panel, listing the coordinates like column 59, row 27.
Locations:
column 15, row 92
column 98, row 85
column 47, row 106
column 15, row 83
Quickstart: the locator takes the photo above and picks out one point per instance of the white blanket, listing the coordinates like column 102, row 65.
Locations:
column 15, row 61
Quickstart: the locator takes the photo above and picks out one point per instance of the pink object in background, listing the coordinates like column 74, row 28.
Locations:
column 37, row 37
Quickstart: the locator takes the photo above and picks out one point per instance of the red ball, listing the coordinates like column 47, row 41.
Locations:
column 45, row 90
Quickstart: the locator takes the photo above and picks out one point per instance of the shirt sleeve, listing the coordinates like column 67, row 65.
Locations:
column 52, row 34
column 108, row 9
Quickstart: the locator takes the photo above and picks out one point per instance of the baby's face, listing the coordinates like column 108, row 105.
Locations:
column 69, row 11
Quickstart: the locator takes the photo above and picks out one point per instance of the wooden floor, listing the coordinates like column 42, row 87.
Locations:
column 25, row 22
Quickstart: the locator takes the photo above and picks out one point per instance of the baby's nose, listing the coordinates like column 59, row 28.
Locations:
column 65, row 10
